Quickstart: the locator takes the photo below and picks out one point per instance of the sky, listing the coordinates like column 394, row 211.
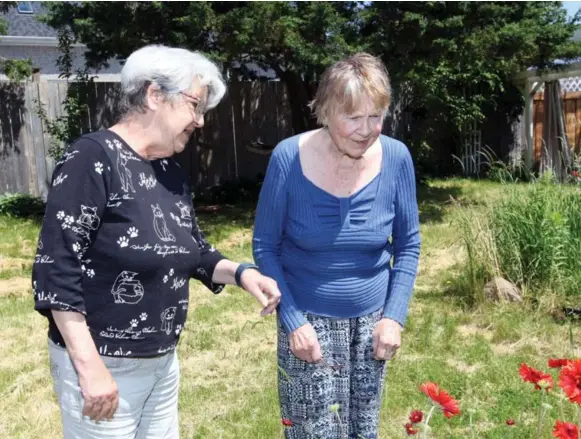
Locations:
column 572, row 7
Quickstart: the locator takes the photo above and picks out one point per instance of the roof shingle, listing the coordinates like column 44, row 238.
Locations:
column 27, row 25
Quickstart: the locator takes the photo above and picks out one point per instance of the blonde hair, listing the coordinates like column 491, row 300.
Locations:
column 347, row 83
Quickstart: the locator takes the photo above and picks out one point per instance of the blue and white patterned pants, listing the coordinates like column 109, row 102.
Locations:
column 340, row 397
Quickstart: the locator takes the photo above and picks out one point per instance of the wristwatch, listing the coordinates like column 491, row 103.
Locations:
column 243, row 266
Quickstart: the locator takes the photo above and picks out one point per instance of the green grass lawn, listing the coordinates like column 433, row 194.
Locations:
column 227, row 353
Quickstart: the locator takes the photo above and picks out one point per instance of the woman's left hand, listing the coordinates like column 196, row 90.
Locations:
column 386, row 339
column 263, row 288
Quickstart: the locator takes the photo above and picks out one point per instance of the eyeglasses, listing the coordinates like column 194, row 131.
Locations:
column 198, row 106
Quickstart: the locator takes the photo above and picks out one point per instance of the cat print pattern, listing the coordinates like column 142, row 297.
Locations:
column 87, row 222
column 167, row 318
column 127, row 289
column 124, row 173
column 160, row 226
column 109, row 230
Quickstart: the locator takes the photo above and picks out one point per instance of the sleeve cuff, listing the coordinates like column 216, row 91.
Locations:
column 397, row 307
column 45, row 307
column 291, row 320
column 205, row 270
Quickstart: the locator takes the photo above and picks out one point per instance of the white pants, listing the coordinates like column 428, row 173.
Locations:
column 148, row 397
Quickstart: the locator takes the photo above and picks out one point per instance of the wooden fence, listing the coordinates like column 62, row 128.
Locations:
column 572, row 108
column 234, row 143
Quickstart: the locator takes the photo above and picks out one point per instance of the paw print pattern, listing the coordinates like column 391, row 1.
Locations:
column 134, row 323
column 133, row 232
column 171, row 272
column 69, row 219
column 178, row 329
column 123, row 242
column 91, row 272
column 76, row 247
column 99, row 167
column 143, row 316
column 165, row 279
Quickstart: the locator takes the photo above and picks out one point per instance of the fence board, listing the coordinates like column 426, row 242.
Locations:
column 572, row 109
column 235, row 142
column 13, row 167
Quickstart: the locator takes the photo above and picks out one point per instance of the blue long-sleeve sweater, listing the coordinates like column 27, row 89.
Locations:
column 332, row 256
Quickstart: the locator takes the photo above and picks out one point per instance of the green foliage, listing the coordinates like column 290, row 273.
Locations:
column 295, row 39
column 17, row 69
column 64, row 129
column 457, row 60
column 21, row 206
column 495, row 169
column 452, row 63
column 532, row 237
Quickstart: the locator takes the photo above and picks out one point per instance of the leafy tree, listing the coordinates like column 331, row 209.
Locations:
column 297, row 40
column 458, row 60
column 452, row 63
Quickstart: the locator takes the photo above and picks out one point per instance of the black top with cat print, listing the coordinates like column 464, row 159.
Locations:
column 119, row 243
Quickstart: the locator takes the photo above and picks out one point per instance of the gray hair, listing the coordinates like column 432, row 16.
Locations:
column 171, row 69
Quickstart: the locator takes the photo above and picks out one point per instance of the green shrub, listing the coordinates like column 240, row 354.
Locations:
column 532, row 237
column 21, row 206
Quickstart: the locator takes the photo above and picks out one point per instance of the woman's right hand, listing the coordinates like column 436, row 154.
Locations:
column 304, row 344
column 98, row 387
column 99, row 391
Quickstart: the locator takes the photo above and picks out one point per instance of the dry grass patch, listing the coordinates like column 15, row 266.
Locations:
column 15, row 287
column 236, row 240
column 472, row 330
column 462, row 366
column 15, row 263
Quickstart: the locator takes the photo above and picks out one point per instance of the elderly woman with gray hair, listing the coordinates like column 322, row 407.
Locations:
column 119, row 243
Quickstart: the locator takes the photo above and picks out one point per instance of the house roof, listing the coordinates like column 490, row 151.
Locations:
column 27, row 25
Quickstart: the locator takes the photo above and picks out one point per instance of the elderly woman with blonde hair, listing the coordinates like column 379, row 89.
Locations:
column 337, row 227
column 119, row 244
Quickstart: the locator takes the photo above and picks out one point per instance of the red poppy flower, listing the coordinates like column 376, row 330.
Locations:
column 410, row 430
column 510, row 422
column 287, row 422
column 448, row 404
column 557, row 363
column 565, row 430
column 537, row 377
column 575, row 174
column 416, row 416
column 570, row 380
